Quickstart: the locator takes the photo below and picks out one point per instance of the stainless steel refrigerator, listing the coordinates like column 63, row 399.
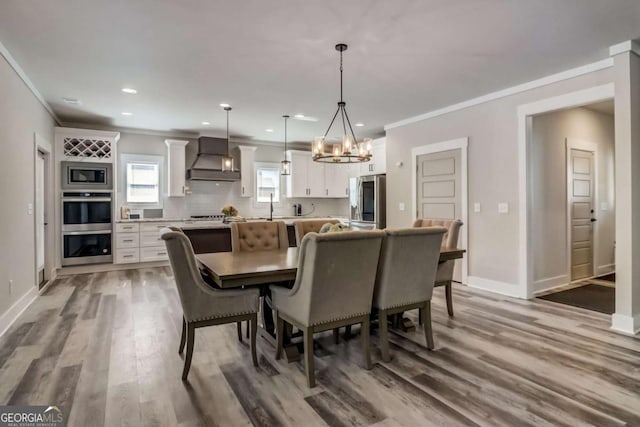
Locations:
column 368, row 202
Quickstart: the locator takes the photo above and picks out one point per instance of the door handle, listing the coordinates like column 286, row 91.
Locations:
column 593, row 220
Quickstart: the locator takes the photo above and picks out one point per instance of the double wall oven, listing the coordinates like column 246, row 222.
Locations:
column 87, row 212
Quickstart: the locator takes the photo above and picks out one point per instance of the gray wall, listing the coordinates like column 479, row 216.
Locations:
column 549, row 186
column 210, row 197
column 493, row 246
column 20, row 116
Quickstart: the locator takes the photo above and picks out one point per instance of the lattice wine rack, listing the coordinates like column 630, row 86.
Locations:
column 87, row 147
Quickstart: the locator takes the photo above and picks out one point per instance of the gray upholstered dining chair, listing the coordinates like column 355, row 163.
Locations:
column 333, row 288
column 444, row 275
column 405, row 278
column 304, row 226
column 259, row 236
column 203, row 305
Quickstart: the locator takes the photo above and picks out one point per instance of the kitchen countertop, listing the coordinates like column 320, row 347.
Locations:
column 191, row 223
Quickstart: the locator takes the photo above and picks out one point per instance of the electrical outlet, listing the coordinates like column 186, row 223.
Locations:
column 476, row 207
column 401, row 206
column 503, row 208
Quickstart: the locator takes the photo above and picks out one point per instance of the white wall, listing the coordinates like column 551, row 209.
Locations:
column 549, row 186
column 492, row 129
column 21, row 114
column 210, row 197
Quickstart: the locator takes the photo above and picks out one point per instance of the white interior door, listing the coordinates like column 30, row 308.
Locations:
column 40, row 216
column 439, row 189
column 581, row 202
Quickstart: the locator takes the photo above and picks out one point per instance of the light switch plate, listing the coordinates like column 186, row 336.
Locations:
column 476, row 207
column 401, row 206
column 503, row 208
column 30, row 209
column 604, row 206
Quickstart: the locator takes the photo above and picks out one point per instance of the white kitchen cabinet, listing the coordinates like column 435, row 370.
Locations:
column 337, row 180
column 141, row 241
column 378, row 162
column 307, row 177
column 176, row 173
column 247, row 161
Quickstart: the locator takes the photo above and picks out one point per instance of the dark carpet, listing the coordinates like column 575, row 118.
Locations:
column 608, row 277
column 592, row 297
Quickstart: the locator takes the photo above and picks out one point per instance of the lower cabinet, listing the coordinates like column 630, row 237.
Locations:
column 140, row 242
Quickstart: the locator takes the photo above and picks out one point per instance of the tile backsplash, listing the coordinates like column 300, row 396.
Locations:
column 209, row 198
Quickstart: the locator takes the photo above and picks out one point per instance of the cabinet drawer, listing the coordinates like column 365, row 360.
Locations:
column 154, row 226
column 127, row 227
column 151, row 238
column 125, row 256
column 127, row 240
column 153, row 253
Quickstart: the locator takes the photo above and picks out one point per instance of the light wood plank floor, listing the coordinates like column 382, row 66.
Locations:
column 105, row 346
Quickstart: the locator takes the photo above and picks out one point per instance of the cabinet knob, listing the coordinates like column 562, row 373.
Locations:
column 243, row 190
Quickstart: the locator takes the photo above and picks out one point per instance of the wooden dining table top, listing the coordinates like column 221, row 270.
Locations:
column 235, row 269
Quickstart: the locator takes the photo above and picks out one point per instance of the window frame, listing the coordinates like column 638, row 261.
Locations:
column 267, row 165
column 125, row 159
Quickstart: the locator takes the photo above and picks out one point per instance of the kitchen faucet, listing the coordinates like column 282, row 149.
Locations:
column 270, row 206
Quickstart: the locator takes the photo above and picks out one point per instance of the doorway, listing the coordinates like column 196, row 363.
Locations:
column 573, row 189
column 440, row 189
column 42, row 212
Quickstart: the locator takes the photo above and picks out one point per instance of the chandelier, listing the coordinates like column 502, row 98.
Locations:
column 350, row 150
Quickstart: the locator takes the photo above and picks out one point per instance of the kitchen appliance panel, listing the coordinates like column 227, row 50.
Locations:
column 367, row 202
column 86, row 247
column 86, row 176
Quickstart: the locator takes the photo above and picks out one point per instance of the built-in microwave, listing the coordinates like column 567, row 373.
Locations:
column 86, row 176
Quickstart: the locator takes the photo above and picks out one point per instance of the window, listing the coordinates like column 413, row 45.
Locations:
column 267, row 183
column 142, row 177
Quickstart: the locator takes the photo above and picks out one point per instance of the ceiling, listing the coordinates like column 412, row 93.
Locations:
column 267, row 58
column 605, row 107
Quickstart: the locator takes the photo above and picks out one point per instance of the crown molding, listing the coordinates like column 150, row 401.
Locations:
column 27, row 81
column 626, row 46
column 544, row 81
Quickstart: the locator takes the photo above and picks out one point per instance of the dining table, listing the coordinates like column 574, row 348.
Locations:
column 263, row 268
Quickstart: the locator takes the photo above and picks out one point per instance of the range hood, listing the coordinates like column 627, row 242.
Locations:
column 208, row 163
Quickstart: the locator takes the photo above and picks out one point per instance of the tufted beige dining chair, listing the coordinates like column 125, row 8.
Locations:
column 405, row 278
column 333, row 288
column 259, row 236
column 444, row 275
column 305, row 226
column 203, row 305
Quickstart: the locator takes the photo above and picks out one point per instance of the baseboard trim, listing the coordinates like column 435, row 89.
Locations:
column 18, row 307
column 550, row 283
column 503, row 288
column 628, row 325
column 100, row 268
column 605, row 269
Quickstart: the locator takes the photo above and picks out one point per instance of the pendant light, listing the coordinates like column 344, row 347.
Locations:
column 227, row 161
column 350, row 150
column 285, row 165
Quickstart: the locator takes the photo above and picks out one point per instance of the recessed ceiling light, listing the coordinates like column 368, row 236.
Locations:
column 206, row 123
column 125, row 113
column 129, row 90
column 225, row 105
column 359, row 124
column 269, row 130
column 299, row 116
column 71, row 101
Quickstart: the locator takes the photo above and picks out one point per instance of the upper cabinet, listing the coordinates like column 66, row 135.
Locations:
column 314, row 179
column 247, row 160
column 86, row 145
column 176, row 174
column 378, row 163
